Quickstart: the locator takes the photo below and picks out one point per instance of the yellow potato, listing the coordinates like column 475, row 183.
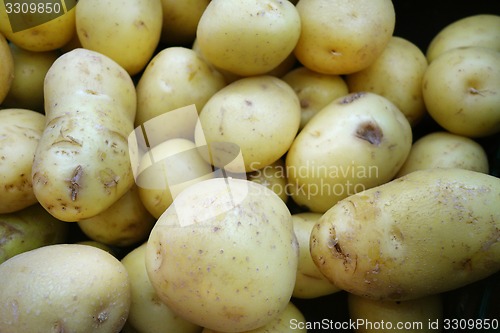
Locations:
column 6, row 68
column 476, row 30
column 314, row 90
column 30, row 69
column 273, row 177
column 356, row 142
column 224, row 255
column 461, row 90
column 78, row 288
column 310, row 282
column 248, row 37
column 445, row 150
column 425, row 233
column 397, row 75
column 126, row 31
column 251, row 113
column 20, row 132
column 180, row 20
column 343, row 36
column 125, row 223
column 148, row 314
column 82, row 165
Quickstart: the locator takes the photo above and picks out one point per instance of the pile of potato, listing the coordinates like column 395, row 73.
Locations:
column 225, row 159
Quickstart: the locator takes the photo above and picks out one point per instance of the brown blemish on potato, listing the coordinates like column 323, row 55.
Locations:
column 8, row 232
column 371, row 132
column 352, row 97
column 235, row 315
column 58, row 327
column 75, row 182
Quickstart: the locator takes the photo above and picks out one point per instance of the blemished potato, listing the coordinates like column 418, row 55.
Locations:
column 29, row 229
column 314, row 90
column 273, row 177
column 30, row 69
column 477, row 30
column 148, row 314
column 82, row 166
column 180, row 20
column 124, row 223
column 397, row 75
column 78, row 288
column 310, row 282
column 284, row 323
column 174, row 78
column 425, row 233
column 251, row 113
column 419, row 315
column 343, row 36
column 126, row 31
column 356, row 142
column 20, row 132
column 445, row 150
column 228, row 283
column 47, row 36
column 6, row 68
column 250, row 37
column 461, row 90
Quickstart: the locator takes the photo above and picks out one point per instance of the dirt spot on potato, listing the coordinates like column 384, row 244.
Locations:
column 351, row 97
column 371, row 132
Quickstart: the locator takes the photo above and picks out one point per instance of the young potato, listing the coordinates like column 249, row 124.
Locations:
column 78, row 288
column 28, row 229
column 30, row 68
column 420, row 315
column 251, row 113
column 126, row 222
column 477, row 30
column 20, row 132
column 126, row 31
column 314, row 90
column 82, row 166
column 310, row 282
column 425, row 233
column 397, row 75
column 148, row 314
column 461, row 90
column 174, row 78
column 248, row 37
column 180, row 20
column 6, row 68
column 224, row 255
column 356, row 142
column 273, row 177
column 445, row 150
column 48, row 36
column 343, row 36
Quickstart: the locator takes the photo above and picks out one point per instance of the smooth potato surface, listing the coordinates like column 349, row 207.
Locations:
column 6, row 68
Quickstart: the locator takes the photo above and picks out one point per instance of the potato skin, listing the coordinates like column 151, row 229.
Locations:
column 6, row 68
column 425, row 233
column 82, row 165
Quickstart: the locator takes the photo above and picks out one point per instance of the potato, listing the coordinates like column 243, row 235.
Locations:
column 147, row 312
column 251, row 113
column 397, row 75
column 314, row 90
column 180, row 20
column 174, row 78
column 419, row 315
column 477, row 30
column 30, row 69
column 125, row 223
column 248, row 38
column 98, row 245
column 20, row 132
column 273, row 177
column 445, row 150
column 78, row 288
column 425, row 233
column 217, row 253
column 47, row 36
column 281, row 324
column 6, row 68
column 82, row 165
column 310, row 282
column 356, row 142
column 126, row 31
column 28, row 229
column 461, row 90
column 343, row 36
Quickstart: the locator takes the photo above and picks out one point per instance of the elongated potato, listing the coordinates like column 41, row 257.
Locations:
column 82, row 165
column 425, row 233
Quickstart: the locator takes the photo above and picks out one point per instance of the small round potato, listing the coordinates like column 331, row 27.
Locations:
column 343, row 36
column 461, row 90
column 6, row 68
